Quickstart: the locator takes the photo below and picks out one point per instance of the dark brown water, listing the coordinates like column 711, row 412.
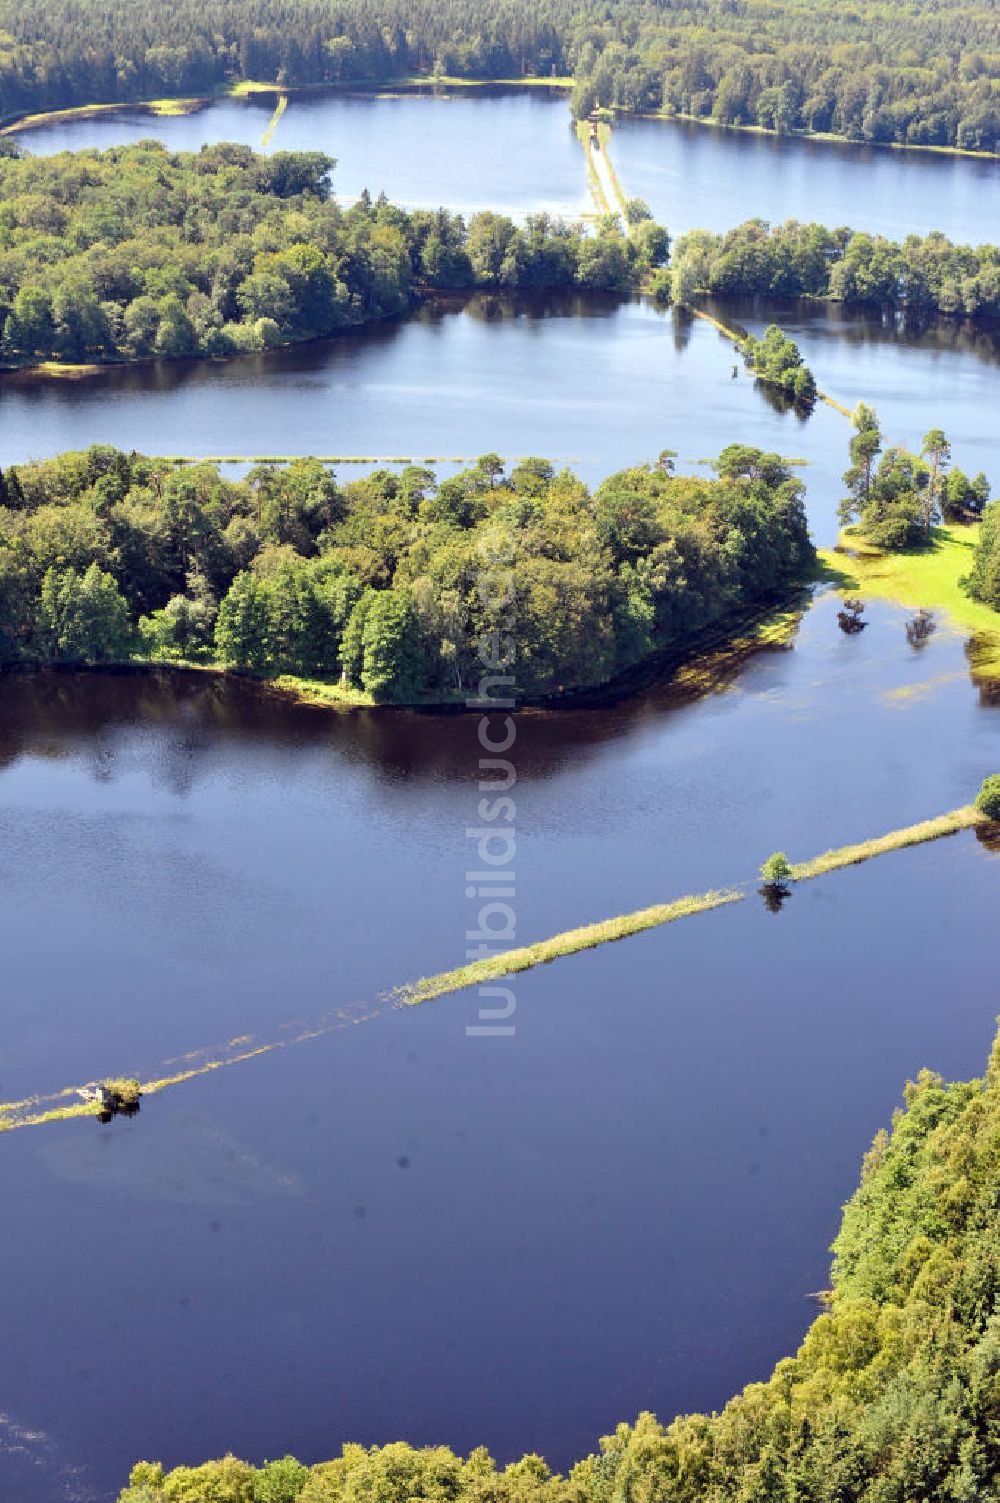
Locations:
column 397, row 1229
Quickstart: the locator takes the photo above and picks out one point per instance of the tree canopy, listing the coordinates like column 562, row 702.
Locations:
column 138, row 252
column 105, row 555
column 906, row 72
column 842, row 265
column 984, row 578
column 897, row 499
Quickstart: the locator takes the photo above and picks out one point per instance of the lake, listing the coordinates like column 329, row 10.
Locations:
column 593, row 383
column 515, row 151
column 392, row 1228
column 397, row 1229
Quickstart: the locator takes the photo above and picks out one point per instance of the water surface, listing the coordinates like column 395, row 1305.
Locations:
column 593, row 383
column 396, row 1229
column 516, row 151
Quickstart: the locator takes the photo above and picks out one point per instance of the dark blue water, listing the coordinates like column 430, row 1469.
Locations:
column 513, row 151
column 707, row 177
column 396, row 1229
column 401, row 1231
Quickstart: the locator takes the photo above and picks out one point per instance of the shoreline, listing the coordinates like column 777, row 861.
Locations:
column 57, row 370
column 690, row 670
column 687, row 671
column 826, row 137
column 562, row 83
column 175, row 105
column 922, row 579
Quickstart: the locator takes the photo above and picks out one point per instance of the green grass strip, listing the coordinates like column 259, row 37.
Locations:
column 929, row 578
column 596, row 186
column 605, row 931
column 612, row 174
column 274, row 121
column 525, row 958
column 899, row 840
column 36, row 1111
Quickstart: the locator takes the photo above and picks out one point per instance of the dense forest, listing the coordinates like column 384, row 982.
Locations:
column 809, row 260
column 106, row 556
column 894, row 1394
column 136, row 252
column 906, row 72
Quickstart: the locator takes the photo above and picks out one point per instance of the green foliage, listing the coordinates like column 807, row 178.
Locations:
column 893, row 1395
column 777, row 869
column 898, row 501
column 984, row 578
column 908, row 73
column 866, row 446
column 988, row 801
column 136, row 253
column 911, row 73
column 381, row 649
column 962, row 497
column 124, row 1090
column 776, row 360
column 242, row 638
column 808, row 260
column 377, row 583
column 81, row 618
column 280, row 1481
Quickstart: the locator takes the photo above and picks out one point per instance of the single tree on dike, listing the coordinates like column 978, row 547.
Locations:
column 866, row 445
column 988, row 802
column 777, row 874
column 777, row 868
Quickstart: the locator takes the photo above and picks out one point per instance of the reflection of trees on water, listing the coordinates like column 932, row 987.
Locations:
column 177, row 728
column 920, row 628
column 858, row 325
column 105, row 719
column 775, row 895
column 984, row 670
column 780, row 402
column 989, row 838
column 682, row 322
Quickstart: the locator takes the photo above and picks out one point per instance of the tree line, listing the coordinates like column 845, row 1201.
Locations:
column 983, row 582
column 106, row 556
column 908, row 72
column 135, row 252
column 893, row 1394
column 841, row 265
